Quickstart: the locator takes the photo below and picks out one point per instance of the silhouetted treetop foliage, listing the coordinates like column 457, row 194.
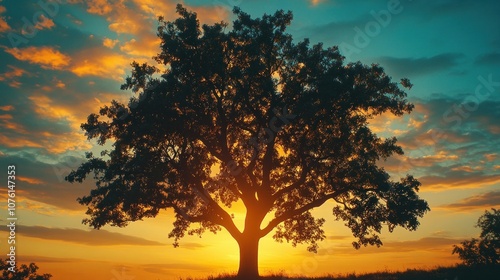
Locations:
column 486, row 249
column 248, row 115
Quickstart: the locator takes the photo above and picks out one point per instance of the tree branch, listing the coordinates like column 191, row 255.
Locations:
column 267, row 164
column 293, row 186
column 223, row 218
column 292, row 213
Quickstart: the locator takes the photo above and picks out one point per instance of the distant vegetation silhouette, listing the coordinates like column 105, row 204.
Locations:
column 486, row 249
column 22, row 272
column 248, row 115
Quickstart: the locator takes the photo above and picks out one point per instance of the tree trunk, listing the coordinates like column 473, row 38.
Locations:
column 249, row 257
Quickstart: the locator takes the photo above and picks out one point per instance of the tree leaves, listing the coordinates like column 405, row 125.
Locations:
column 486, row 249
column 248, row 115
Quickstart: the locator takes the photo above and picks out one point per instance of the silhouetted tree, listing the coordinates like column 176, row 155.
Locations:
column 486, row 249
column 248, row 115
column 23, row 272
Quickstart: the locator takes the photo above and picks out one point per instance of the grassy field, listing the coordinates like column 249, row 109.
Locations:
column 441, row 273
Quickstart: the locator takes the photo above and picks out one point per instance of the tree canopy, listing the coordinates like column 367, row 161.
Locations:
column 22, row 272
column 486, row 249
column 248, row 115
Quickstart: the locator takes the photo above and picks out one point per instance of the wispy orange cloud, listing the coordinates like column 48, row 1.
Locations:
column 432, row 137
column 491, row 157
column 92, row 237
column 96, row 62
column 4, row 26
column 46, row 57
column 30, row 180
column 316, row 2
column 109, row 43
column 7, row 108
column 477, row 202
column 15, row 135
column 15, row 72
column 7, row 123
column 45, row 23
column 148, row 48
column 470, row 181
column 167, row 9
column 99, row 7
column 58, row 83
column 467, row 168
column 47, row 108
column 404, row 163
column 18, row 143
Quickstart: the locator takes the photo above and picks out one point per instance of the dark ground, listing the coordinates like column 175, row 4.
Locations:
column 441, row 273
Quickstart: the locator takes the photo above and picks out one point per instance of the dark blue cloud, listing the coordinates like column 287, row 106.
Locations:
column 492, row 58
column 44, row 182
column 93, row 237
column 412, row 67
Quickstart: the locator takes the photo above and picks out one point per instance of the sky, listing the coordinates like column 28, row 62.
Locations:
column 62, row 60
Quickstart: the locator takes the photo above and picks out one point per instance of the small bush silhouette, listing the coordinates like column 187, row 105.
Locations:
column 486, row 249
column 23, row 272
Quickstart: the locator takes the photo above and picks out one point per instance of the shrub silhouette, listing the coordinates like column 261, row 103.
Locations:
column 486, row 249
column 24, row 272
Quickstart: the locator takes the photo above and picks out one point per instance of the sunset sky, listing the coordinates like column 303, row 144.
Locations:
column 64, row 59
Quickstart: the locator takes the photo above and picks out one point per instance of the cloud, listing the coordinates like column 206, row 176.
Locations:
column 93, row 237
column 444, row 143
column 431, row 243
column 191, row 245
column 100, row 7
column 467, row 168
column 492, row 58
column 45, row 23
column 411, row 67
column 491, row 157
column 46, row 57
column 7, row 108
column 476, row 202
column 16, row 135
column 58, row 83
column 58, row 129
column 101, row 63
column 46, row 107
column 430, row 160
column 44, row 182
column 125, row 26
column 109, row 43
column 4, row 26
column 426, row 244
column 148, row 47
column 12, row 75
column 44, row 259
column 316, row 2
column 458, row 180
column 166, row 269
column 29, row 180
column 338, row 237
column 73, row 19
